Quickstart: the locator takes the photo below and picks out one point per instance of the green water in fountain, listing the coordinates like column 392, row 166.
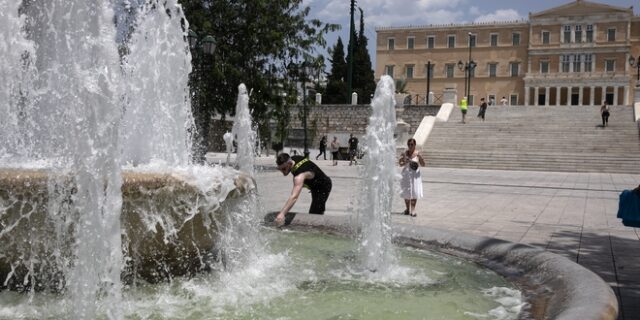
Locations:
column 310, row 276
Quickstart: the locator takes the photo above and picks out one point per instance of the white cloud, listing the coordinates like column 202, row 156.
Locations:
column 500, row 15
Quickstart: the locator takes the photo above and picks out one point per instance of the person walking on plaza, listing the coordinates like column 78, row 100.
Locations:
column 323, row 148
column 483, row 109
column 463, row 108
column 411, row 182
column 306, row 174
column 353, row 149
column 335, row 149
column 604, row 113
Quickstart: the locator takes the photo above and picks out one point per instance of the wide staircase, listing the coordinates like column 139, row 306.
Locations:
column 565, row 138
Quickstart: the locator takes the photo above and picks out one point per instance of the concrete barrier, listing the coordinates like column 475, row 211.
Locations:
column 444, row 112
column 423, row 131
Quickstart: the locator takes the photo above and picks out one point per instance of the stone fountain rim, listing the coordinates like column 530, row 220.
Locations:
column 570, row 290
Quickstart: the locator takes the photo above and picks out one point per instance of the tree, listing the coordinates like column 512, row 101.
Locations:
column 336, row 91
column 364, row 82
column 256, row 40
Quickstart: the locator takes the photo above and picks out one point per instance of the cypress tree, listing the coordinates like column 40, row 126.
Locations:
column 363, row 77
column 336, row 86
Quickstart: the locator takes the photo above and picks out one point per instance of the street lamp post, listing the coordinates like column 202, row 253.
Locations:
column 468, row 68
column 306, row 71
column 207, row 46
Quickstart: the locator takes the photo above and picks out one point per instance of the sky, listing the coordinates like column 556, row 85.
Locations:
column 397, row 13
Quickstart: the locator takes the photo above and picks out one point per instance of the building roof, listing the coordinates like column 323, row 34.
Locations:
column 580, row 8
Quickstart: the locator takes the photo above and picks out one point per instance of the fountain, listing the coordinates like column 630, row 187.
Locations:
column 378, row 176
column 103, row 216
column 95, row 180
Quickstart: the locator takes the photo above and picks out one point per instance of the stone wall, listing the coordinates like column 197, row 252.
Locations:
column 331, row 120
column 342, row 120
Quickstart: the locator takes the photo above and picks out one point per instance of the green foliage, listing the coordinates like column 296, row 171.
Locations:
column 256, row 43
column 363, row 82
column 401, row 85
column 363, row 78
column 336, row 91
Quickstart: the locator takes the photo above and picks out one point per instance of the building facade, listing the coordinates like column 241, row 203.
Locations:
column 580, row 53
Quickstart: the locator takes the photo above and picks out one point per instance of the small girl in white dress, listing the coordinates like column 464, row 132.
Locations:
column 411, row 183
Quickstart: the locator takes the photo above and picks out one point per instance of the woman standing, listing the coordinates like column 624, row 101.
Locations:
column 411, row 183
column 335, row 147
column 323, row 148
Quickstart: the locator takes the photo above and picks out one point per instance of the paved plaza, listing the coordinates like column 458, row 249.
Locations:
column 570, row 214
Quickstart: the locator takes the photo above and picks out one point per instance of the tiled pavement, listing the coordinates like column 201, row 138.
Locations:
column 571, row 214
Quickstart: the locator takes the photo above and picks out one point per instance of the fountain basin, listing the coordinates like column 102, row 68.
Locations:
column 554, row 286
column 169, row 224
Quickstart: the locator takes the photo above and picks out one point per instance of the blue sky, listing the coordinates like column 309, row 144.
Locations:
column 384, row 13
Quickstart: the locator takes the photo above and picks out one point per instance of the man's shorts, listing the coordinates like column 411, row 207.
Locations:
column 464, row 111
column 319, row 198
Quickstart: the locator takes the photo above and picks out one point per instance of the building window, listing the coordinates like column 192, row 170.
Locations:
column 472, row 72
column 515, row 69
column 545, row 37
column 578, row 34
column 589, row 33
column 472, row 41
column 567, row 34
column 431, row 42
column 448, row 69
column 515, row 39
column 389, row 70
column 610, row 65
column 470, row 100
column 513, row 99
column 409, row 72
column 411, row 42
column 451, row 42
column 391, row 43
column 565, row 62
column 544, row 66
column 576, row 62
column 494, row 40
column 429, row 70
column 493, row 68
column 587, row 62
column 611, row 34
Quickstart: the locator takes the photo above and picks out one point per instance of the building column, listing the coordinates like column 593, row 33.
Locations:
column 535, row 96
column 626, row 95
column 580, row 91
column 615, row 96
column 604, row 94
column 547, row 93
column 526, row 96
column 558, row 92
column 569, row 93
column 593, row 95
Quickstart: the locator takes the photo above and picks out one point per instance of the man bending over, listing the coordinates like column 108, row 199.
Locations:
column 306, row 174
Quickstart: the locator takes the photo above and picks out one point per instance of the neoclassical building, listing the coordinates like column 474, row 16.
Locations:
column 580, row 53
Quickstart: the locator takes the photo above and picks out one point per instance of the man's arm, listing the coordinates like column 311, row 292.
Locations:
column 298, row 183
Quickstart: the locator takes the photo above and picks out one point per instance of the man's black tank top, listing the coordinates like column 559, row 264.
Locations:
column 320, row 180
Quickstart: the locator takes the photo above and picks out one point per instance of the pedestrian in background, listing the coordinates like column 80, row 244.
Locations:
column 323, row 148
column 483, row 109
column 353, row 149
column 335, row 150
column 604, row 113
column 463, row 108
